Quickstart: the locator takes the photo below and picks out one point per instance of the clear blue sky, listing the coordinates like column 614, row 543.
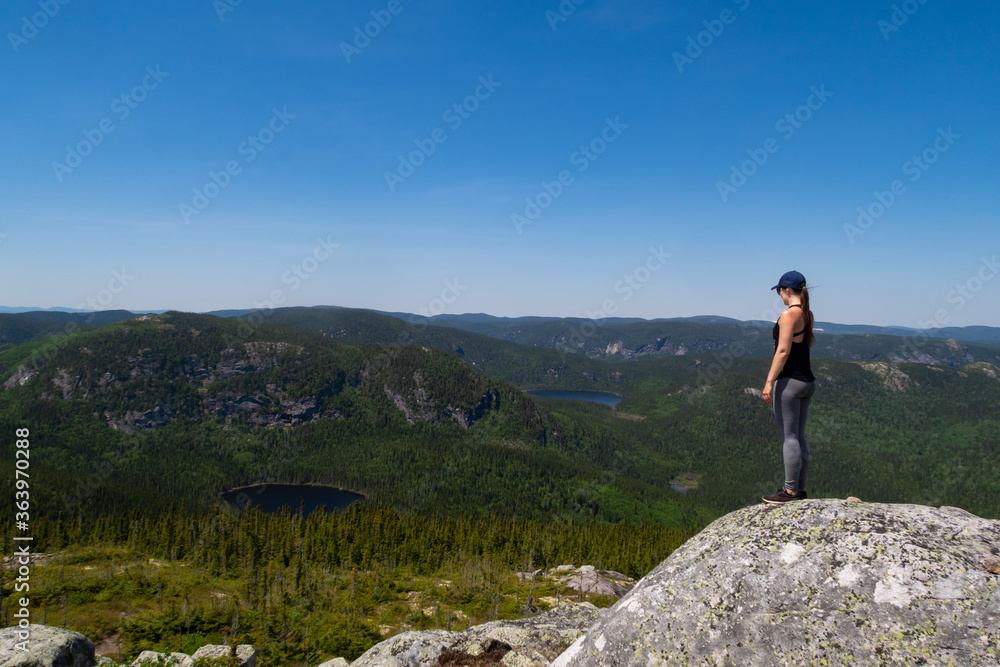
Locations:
column 115, row 113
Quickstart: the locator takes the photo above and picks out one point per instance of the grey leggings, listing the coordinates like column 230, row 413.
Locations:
column 791, row 404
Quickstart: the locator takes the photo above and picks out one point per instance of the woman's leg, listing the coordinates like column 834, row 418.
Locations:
column 803, row 447
column 788, row 395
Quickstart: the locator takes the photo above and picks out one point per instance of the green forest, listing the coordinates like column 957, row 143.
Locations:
column 138, row 426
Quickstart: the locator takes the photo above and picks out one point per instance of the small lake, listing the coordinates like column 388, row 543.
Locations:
column 602, row 397
column 271, row 497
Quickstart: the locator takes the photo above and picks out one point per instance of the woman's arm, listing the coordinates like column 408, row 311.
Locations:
column 786, row 329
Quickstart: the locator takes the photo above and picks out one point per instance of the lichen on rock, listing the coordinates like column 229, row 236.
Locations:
column 813, row 582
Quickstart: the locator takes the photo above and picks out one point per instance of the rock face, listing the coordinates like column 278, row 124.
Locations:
column 813, row 582
column 526, row 642
column 426, row 408
column 47, row 647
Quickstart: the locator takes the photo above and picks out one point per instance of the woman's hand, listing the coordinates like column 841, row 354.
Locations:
column 767, row 391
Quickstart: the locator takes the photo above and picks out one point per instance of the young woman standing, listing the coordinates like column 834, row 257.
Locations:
column 790, row 383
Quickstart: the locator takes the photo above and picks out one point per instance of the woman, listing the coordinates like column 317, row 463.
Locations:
column 790, row 383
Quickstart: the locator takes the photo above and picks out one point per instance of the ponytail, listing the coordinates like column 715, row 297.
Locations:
column 804, row 294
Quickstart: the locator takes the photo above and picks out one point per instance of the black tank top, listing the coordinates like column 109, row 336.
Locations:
column 797, row 364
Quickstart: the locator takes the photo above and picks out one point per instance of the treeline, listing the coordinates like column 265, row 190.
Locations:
column 364, row 536
column 307, row 587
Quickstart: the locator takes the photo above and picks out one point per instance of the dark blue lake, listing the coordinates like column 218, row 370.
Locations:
column 271, row 497
column 602, row 397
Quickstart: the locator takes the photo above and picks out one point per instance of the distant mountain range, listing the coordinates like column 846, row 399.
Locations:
column 492, row 325
column 622, row 339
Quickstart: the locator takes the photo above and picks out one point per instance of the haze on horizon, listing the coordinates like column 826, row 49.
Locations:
column 553, row 159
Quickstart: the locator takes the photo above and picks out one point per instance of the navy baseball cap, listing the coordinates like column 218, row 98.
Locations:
column 791, row 279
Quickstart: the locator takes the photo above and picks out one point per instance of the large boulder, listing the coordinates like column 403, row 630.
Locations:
column 526, row 642
column 815, row 582
column 46, row 647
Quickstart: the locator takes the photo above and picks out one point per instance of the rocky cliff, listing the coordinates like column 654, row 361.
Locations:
column 817, row 582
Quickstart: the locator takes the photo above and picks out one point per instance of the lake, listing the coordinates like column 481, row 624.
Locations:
column 602, row 397
column 271, row 497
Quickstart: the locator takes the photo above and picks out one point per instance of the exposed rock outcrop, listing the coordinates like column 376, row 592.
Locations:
column 45, row 647
column 427, row 408
column 813, row 582
column 262, row 409
column 151, row 658
column 20, row 377
column 525, row 642
column 336, row 662
column 588, row 580
column 55, row 647
column 892, row 378
column 245, row 654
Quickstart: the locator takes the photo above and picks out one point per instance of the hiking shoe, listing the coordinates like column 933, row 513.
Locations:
column 782, row 497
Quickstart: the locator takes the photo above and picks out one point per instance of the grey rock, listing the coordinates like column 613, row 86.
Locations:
column 423, row 407
column 524, row 658
column 588, row 580
column 813, row 582
column 154, row 659
column 46, row 647
column 336, row 662
column 407, row 649
column 245, row 654
column 593, row 582
column 533, row 641
column 20, row 377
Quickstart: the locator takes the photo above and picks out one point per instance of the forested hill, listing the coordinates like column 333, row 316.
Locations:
column 615, row 340
column 155, row 369
column 167, row 409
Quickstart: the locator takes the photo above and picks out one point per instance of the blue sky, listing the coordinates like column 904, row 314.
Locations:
column 222, row 155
